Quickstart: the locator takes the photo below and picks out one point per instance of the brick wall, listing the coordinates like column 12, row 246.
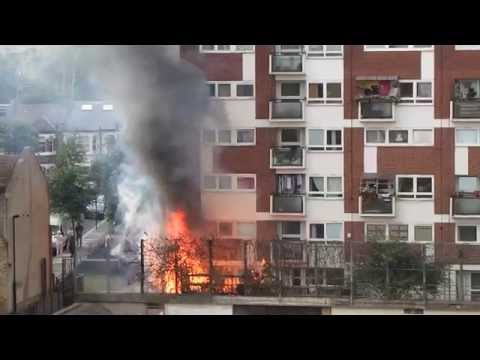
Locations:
column 353, row 167
column 264, row 83
column 474, row 161
column 266, row 232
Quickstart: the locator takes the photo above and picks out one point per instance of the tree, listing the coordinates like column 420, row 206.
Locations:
column 395, row 270
column 69, row 190
column 15, row 136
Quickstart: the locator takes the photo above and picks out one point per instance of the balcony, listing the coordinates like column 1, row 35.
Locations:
column 465, row 110
column 465, row 205
column 287, row 157
column 286, row 110
column 287, row 64
column 377, row 205
column 313, row 254
column 376, row 110
column 287, row 204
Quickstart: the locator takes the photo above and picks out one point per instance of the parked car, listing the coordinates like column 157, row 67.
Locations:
column 96, row 209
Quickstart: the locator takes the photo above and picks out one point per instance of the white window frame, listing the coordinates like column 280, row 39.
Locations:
column 324, row 223
column 233, row 137
column 47, row 137
column 233, row 90
column 324, row 54
column 408, row 48
column 467, row 47
column 325, row 100
column 233, row 49
column 300, row 96
column 387, row 232
column 238, row 236
column 323, row 195
column 283, row 236
column 234, row 182
column 235, row 234
column 412, row 233
column 290, row 143
column 415, row 99
column 387, row 136
column 414, row 193
column 457, row 237
column 327, row 148
column 477, row 130
column 232, row 236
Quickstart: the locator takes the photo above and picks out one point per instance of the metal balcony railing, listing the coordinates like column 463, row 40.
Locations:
column 466, row 109
column 466, row 205
column 380, row 110
column 287, row 204
column 287, row 157
column 286, row 63
column 286, row 109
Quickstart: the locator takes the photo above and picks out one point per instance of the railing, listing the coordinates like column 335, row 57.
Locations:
column 465, row 110
column 286, row 64
column 376, row 205
column 286, row 109
column 287, row 157
column 376, row 110
column 287, row 204
column 466, row 206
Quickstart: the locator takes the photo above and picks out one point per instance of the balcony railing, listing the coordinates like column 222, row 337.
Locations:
column 376, row 110
column 377, row 205
column 284, row 64
column 466, row 205
column 466, row 110
column 312, row 254
column 287, row 204
column 287, row 157
column 286, row 110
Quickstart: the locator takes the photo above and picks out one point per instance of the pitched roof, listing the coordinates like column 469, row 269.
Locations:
column 44, row 117
column 7, row 165
column 94, row 119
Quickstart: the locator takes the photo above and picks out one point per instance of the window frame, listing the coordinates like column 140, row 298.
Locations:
column 477, row 131
column 233, row 90
column 457, row 234
column 387, row 131
column 467, row 47
column 408, row 48
column 297, row 237
column 326, row 148
column 233, row 137
column 324, row 53
column 324, row 223
column 414, row 226
column 234, row 182
column 411, row 232
column 233, row 49
column 414, row 192
column 325, row 100
column 323, row 195
column 415, row 99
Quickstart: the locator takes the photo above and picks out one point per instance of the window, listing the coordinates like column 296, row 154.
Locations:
column 467, row 233
column 328, row 231
column 333, row 184
column 46, row 144
column 87, row 107
column 107, row 107
column 226, row 48
column 423, row 233
column 397, row 47
column 375, row 136
column 84, row 142
column 244, row 90
column 398, row 136
column 423, row 137
column 325, row 50
column 466, row 136
column 415, row 187
column 246, row 136
column 231, row 90
column 289, row 48
column 398, row 232
column 376, row 232
column 415, row 92
column 325, row 92
column 209, row 136
column 224, row 90
column 290, row 89
column 290, row 136
column 229, row 182
column 468, row 184
column 467, row 47
column 224, row 182
column 244, row 47
column 247, row 230
column 224, row 136
column 290, row 230
column 475, row 286
column 225, row 229
column 245, row 183
column 316, row 139
column 230, row 137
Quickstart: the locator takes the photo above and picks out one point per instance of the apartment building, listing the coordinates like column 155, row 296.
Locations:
column 342, row 145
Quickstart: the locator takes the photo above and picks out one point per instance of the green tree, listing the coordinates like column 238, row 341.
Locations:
column 394, row 270
column 69, row 191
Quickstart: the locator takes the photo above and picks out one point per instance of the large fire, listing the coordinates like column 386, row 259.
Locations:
column 177, row 262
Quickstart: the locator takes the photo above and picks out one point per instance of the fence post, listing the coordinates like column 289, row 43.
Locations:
column 461, row 286
column 142, row 267
column 424, row 274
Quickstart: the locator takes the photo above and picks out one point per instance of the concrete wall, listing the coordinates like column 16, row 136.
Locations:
column 196, row 309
